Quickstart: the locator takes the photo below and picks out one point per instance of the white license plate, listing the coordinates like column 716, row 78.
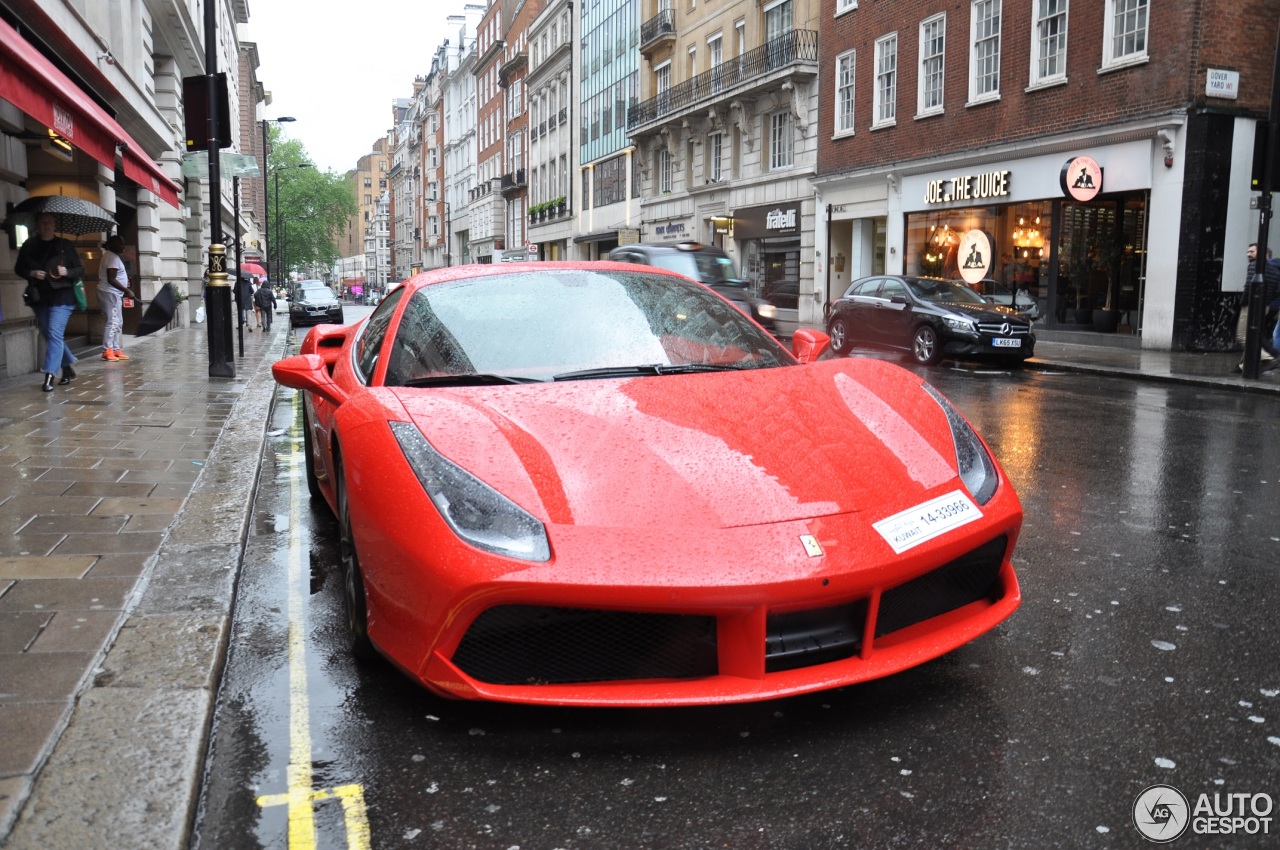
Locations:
column 1006, row 342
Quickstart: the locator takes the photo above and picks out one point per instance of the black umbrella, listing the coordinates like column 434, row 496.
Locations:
column 71, row 215
column 159, row 312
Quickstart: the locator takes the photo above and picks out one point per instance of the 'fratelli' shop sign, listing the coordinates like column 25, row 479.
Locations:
column 967, row 187
column 762, row 222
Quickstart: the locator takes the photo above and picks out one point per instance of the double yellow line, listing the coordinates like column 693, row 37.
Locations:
column 302, row 796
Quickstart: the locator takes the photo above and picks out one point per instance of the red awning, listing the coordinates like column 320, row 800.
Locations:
column 31, row 82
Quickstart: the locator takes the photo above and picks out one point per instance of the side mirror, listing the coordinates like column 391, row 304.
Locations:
column 308, row 372
column 898, row 299
column 808, row 344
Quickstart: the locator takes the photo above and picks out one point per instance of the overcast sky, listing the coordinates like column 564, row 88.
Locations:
column 338, row 68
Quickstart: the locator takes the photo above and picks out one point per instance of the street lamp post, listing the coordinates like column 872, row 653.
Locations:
column 266, row 214
column 281, row 268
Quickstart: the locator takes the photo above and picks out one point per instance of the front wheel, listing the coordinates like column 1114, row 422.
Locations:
column 353, row 593
column 924, row 345
column 838, row 330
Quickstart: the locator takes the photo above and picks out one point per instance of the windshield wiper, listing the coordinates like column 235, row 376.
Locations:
column 647, row 369
column 468, row 379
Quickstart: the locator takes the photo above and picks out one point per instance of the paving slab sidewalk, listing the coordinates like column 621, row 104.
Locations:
column 126, row 498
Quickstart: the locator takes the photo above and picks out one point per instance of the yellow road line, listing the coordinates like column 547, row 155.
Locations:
column 301, row 797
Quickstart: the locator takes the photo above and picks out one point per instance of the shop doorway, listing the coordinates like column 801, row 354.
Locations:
column 1102, row 255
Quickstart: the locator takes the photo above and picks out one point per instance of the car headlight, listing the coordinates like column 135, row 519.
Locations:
column 475, row 511
column 768, row 311
column 958, row 324
column 977, row 469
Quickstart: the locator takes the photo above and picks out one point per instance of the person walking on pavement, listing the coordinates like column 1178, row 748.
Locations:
column 255, row 316
column 51, row 265
column 1271, row 304
column 264, row 300
column 244, row 299
column 113, row 288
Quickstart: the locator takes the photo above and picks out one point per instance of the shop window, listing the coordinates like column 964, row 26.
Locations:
column 933, row 36
column 1124, row 40
column 1049, row 42
column 782, row 277
column 984, row 57
column 886, row 105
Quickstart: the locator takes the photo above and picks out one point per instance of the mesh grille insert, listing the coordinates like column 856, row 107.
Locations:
column 535, row 645
column 966, row 579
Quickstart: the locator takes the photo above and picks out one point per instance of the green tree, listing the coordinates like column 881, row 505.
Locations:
column 311, row 210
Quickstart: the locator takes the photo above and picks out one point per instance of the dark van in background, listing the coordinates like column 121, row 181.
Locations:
column 704, row 263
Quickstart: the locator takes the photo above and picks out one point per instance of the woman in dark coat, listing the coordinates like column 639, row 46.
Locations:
column 52, row 265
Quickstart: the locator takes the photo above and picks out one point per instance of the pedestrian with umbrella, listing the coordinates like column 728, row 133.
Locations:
column 51, row 267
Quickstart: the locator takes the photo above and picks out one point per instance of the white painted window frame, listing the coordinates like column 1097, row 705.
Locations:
column 879, row 119
column 980, row 41
column 923, row 111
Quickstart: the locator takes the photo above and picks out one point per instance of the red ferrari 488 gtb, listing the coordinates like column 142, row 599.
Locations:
column 602, row 484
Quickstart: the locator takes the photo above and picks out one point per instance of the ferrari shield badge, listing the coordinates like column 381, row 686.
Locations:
column 811, row 545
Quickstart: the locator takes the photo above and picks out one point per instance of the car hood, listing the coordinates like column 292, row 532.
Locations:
column 983, row 312
column 717, row 450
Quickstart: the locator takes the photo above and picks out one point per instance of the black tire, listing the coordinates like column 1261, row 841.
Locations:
column 313, row 483
column 924, row 345
column 838, row 330
column 353, row 595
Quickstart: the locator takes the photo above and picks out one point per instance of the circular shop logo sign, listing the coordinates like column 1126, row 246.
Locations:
column 1161, row 813
column 973, row 255
column 1081, row 178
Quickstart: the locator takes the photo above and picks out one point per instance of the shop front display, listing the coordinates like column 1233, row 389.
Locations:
column 1064, row 232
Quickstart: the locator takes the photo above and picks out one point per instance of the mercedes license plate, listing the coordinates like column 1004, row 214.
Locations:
column 1006, row 342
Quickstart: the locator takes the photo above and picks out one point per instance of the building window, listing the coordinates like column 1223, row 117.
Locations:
column 664, row 171
column 715, row 156
column 886, row 81
column 1124, row 32
column 1049, row 42
column 843, row 6
column 932, row 57
column 984, row 61
column 845, row 64
column 781, row 140
column 715, row 57
column 662, row 85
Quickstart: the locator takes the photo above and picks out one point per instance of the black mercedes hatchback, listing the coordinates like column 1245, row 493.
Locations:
column 929, row 318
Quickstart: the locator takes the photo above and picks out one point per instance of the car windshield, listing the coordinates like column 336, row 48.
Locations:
column 572, row 323
column 943, row 291
column 702, row 266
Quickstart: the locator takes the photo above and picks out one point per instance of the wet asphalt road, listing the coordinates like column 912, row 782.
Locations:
column 1146, row 651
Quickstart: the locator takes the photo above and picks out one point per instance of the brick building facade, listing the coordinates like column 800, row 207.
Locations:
column 941, row 118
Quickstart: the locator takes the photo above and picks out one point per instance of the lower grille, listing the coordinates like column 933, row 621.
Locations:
column 536, row 645
column 966, row 579
column 805, row 638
